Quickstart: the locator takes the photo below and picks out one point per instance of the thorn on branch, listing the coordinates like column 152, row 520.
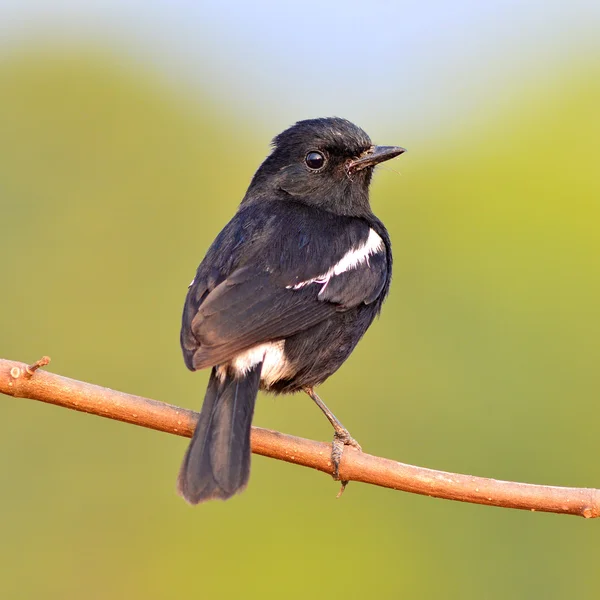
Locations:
column 31, row 369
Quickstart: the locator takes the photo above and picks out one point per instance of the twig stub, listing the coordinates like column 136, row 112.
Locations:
column 31, row 369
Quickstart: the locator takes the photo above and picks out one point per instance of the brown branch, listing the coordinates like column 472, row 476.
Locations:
column 23, row 381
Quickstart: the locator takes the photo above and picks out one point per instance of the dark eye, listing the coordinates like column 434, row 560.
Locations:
column 314, row 160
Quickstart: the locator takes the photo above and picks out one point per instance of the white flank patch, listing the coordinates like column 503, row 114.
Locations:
column 352, row 259
column 272, row 357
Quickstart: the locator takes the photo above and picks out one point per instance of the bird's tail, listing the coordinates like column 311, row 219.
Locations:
column 217, row 461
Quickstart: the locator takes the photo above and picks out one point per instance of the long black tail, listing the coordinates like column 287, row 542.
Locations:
column 217, row 461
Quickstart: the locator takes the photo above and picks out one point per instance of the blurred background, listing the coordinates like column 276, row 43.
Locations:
column 129, row 132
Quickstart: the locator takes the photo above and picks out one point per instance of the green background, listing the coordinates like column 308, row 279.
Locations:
column 113, row 182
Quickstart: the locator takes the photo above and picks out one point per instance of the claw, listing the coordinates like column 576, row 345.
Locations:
column 340, row 439
column 339, row 494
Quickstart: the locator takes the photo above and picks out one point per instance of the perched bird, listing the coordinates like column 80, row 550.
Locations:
column 284, row 293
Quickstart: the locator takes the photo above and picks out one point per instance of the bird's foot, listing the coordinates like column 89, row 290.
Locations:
column 341, row 438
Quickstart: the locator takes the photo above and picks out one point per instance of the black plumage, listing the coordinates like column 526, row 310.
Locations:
column 285, row 292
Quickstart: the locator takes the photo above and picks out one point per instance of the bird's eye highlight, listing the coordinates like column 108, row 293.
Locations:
column 314, row 160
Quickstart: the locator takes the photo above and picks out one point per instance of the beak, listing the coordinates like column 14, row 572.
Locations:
column 374, row 156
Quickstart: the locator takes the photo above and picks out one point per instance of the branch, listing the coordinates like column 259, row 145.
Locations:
column 23, row 381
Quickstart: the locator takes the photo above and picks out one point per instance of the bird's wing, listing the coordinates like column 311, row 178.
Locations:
column 288, row 286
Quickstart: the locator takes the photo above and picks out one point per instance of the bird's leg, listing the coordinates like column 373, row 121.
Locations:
column 341, row 436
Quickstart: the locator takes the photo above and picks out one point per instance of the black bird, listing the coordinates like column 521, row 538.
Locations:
column 284, row 294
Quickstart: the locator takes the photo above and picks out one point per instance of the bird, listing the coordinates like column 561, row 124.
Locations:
column 284, row 294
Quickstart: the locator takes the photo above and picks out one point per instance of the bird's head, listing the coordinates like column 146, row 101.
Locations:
column 321, row 162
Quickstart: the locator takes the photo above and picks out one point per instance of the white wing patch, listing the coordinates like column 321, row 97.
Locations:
column 352, row 259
